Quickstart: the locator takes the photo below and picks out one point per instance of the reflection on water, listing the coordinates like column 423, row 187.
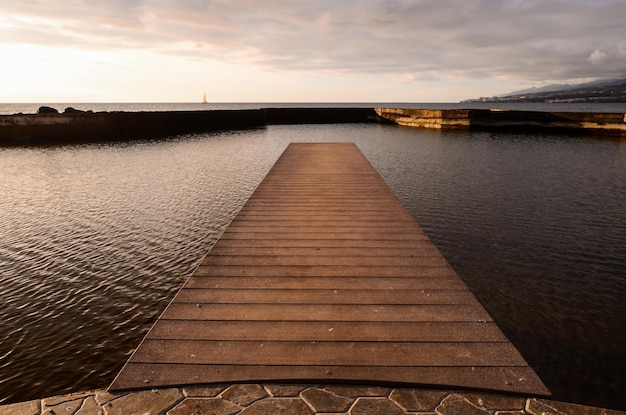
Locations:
column 95, row 240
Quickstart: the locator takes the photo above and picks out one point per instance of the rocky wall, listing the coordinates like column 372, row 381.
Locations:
column 72, row 126
column 613, row 124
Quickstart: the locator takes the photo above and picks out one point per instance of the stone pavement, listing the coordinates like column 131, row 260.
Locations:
column 275, row 399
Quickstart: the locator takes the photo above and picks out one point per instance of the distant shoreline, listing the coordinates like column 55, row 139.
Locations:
column 49, row 127
column 31, row 108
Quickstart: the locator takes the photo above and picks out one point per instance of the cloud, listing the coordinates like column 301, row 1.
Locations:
column 532, row 40
column 597, row 57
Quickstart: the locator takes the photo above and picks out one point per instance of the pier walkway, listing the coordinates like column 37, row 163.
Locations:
column 323, row 276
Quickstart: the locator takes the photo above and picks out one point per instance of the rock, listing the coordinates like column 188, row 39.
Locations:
column 23, row 408
column 416, row 399
column 90, row 407
column 244, row 394
column 199, row 406
column 490, row 402
column 375, row 406
column 457, row 405
column 47, row 110
column 356, row 391
column 103, row 397
column 324, row 401
column 284, row 390
column 204, row 391
column 545, row 407
column 67, row 407
column 277, row 406
column 152, row 402
column 71, row 110
column 57, row 400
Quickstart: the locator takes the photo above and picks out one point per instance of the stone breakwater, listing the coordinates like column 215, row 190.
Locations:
column 561, row 122
column 73, row 126
column 259, row 399
column 49, row 126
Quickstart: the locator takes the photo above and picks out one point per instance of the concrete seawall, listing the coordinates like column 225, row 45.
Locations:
column 80, row 127
column 92, row 127
column 77, row 126
column 612, row 124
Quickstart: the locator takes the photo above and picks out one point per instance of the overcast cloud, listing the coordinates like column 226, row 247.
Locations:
column 529, row 40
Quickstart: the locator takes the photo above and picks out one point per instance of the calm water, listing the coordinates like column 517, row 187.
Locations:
column 96, row 239
column 31, row 108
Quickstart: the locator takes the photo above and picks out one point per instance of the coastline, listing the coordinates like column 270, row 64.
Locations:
column 49, row 127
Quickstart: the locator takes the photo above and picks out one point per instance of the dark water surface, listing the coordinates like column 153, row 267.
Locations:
column 31, row 108
column 96, row 239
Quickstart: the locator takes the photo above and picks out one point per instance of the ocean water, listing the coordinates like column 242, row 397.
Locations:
column 96, row 239
column 31, row 108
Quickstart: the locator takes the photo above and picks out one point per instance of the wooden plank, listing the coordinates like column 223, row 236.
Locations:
column 289, row 260
column 328, row 296
column 351, row 224
column 324, row 276
column 507, row 379
column 325, row 312
column 293, row 234
column 442, row 271
column 241, row 250
column 326, row 283
column 349, row 229
column 303, row 209
column 318, row 219
column 397, row 331
column 320, row 243
column 327, row 353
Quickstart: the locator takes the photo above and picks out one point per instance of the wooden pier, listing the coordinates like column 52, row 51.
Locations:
column 323, row 276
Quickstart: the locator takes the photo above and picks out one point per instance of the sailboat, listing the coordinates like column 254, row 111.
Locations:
column 204, row 98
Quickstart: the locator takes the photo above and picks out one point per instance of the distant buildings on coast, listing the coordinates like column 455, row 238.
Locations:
column 594, row 92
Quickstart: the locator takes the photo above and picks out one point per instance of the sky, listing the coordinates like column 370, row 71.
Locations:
column 302, row 51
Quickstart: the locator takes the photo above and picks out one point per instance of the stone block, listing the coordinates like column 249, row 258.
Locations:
column 103, row 397
column 22, row 408
column 356, row 391
column 204, row 391
column 413, row 400
column 67, row 407
column 200, row 406
column 244, row 394
column 277, row 406
column 57, row 400
column 90, row 407
column 489, row 402
column 284, row 390
column 153, row 402
column 546, row 407
column 375, row 406
column 324, row 401
column 457, row 405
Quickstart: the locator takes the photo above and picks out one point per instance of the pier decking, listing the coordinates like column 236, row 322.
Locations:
column 324, row 276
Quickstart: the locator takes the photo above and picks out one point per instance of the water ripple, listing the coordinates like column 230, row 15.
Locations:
column 95, row 240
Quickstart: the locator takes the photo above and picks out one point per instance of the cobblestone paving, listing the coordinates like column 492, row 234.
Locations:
column 272, row 399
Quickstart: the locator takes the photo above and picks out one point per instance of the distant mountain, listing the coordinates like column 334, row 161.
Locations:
column 602, row 90
column 536, row 90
